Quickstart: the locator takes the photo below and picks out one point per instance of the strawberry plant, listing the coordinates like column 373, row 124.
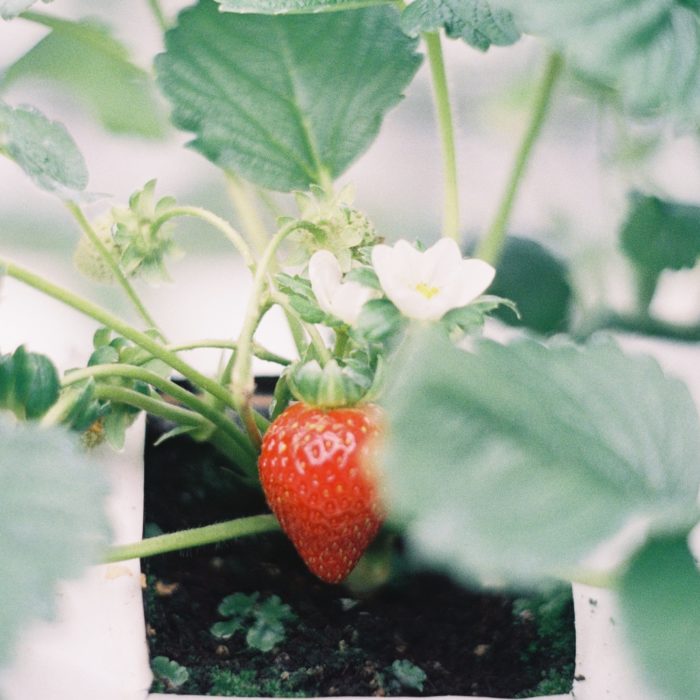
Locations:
column 506, row 464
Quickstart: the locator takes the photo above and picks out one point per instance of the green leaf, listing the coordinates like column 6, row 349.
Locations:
column 29, row 384
column 264, row 634
column 659, row 607
column 96, row 67
column 284, row 100
column 238, row 604
column 408, row 674
column 11, row 8
column 510, row 464
column 538, row 283
column 659, row 235
column 378, row 322
column 170, row 672
column 476, row 21
column 645, row 49
column 51, row 521
column 42, row 148
column 225, row 629
column 278, row 7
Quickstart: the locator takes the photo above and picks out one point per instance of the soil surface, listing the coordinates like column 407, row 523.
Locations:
column 416, row 634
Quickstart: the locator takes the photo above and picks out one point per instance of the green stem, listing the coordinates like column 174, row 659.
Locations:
column 444, row 115
column 314, row 336
column 116, row 324
column 258, row 350
column 341, row 342
column 640, row 325
column 246, row 209
column 158, row 13
column 113, row 265
column 196, row 537
column 242, row 382
column 213, row 220
column 156, row 407
column 186, row 398
column 647, row 281
column 492, row 244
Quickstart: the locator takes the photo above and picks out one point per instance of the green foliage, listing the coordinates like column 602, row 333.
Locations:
column 408, row 674
column 379, row 322
column 659, row 235
column 478, row 22
column 51, row 521
column 537, row 282
column 43, row 149
column 247, row 684
column 488, row 450
column 277, row 7
column 262, row 621
column 283, row 100
column 11, row 8
column 29, row 384
column 645, row 49
column 169, row 672
column 301, row 297
column 659, row 604
column 86, row 58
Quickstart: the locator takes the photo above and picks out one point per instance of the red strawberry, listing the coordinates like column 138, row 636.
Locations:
column 314, row 470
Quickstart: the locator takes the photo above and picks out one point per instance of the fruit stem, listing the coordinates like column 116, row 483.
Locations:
column 217, row 222
column 195, row 537
column 242, row 382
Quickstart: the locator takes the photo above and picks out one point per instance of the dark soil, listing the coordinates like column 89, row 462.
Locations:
column 340, row 642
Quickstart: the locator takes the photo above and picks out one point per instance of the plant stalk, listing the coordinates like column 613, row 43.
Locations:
column 118, row 325
column 195, row 537
column 450, row 226
column 246, row 209
column 491, row 246
column 217, row 222
column 258, row 350
column 113, row 265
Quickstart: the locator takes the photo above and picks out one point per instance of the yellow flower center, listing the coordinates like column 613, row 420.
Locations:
column 426, row 290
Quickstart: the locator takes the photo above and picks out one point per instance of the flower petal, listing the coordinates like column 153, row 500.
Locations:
column 325, row 276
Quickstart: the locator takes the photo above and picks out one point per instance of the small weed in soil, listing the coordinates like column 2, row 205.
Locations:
column 419, row 634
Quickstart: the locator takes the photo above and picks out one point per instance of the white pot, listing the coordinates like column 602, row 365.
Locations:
column 96, row 649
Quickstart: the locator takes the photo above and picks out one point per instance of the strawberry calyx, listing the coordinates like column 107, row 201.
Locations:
column 335, row 384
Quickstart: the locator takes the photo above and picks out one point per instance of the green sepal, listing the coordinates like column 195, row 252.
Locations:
column 29, row 384
column 282, row 396
column 330, row 386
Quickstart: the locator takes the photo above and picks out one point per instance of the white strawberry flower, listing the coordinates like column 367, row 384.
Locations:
column 344, row 300
column 425, row 285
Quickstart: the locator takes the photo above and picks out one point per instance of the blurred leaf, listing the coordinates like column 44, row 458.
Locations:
column 264, row 634
column 277, row 7
column 29, row 384
column 379, row 322
column 51, row 521
column 408, row 674
column 11, row 8
column 42, row 148
column 659, row 235
column 648, row 50
column 85, row 57
column 170, row 672
column 510, row 464
column 659, row 604
column 284, row 100
column 476, row 21
column 537, row 282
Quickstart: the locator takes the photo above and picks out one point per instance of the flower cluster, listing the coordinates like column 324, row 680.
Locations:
column 423, row 285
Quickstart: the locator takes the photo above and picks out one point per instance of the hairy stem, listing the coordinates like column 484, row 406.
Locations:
column 113, row 265
column 217, row 222
column 243, row 203
column 186, row 398
column 118, row 325
column 450, row 226
column 258, row 350
column 196, row 537
column 158, row 14
column 491, row 246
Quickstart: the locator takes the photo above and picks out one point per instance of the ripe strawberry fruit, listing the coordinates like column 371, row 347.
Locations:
column 315, row 471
